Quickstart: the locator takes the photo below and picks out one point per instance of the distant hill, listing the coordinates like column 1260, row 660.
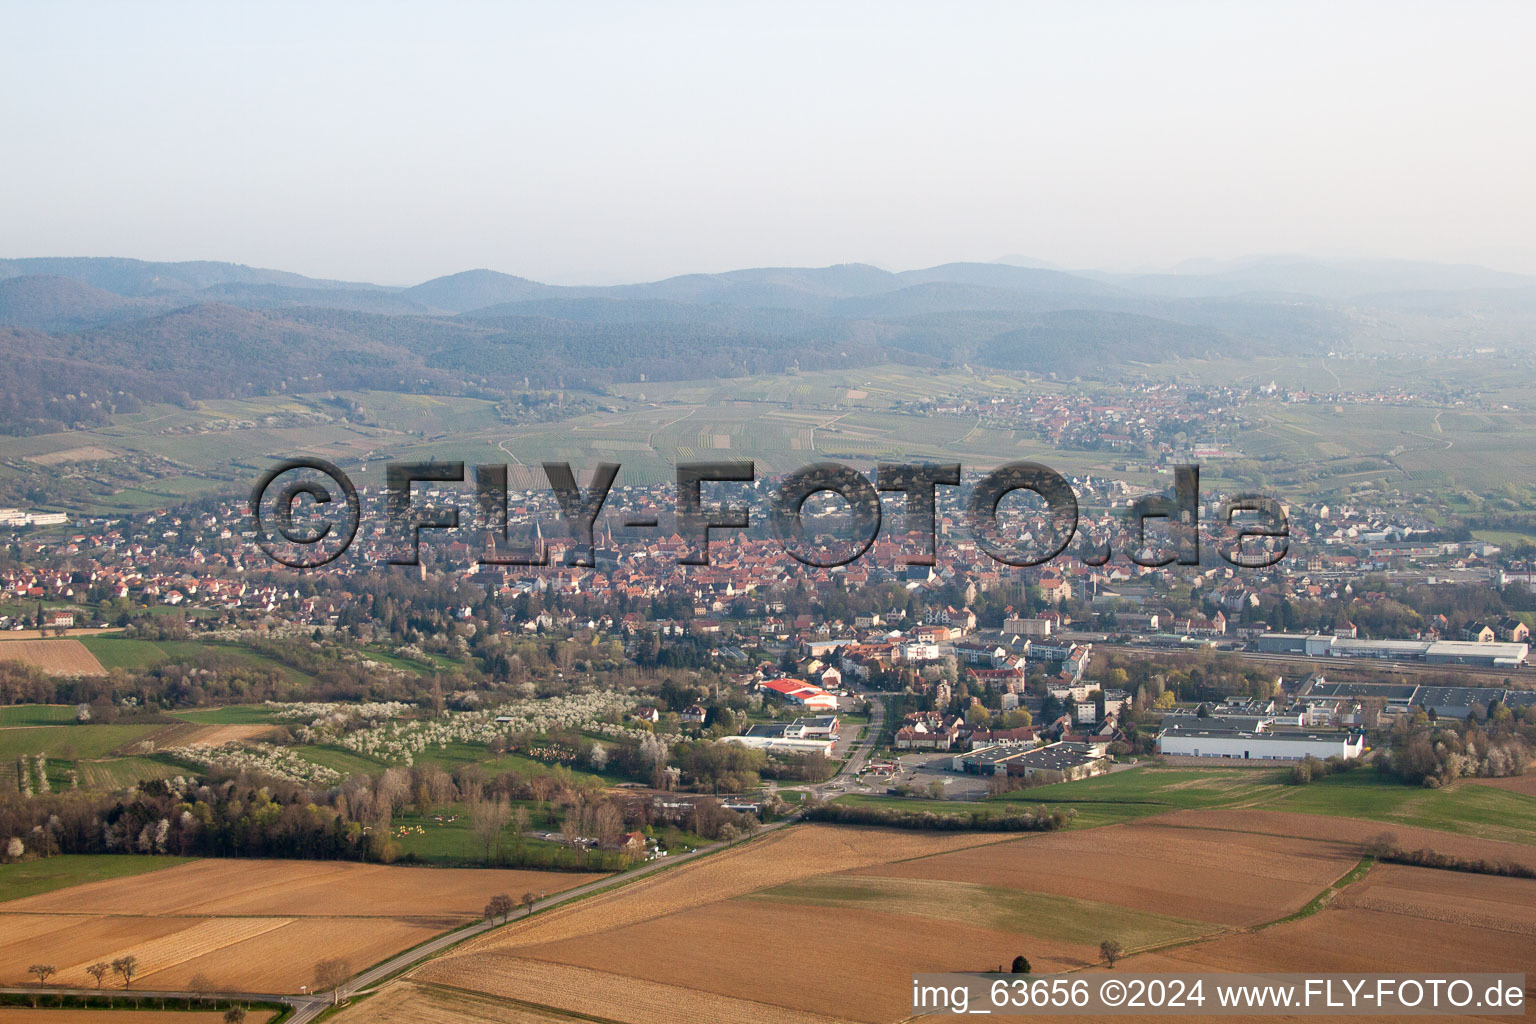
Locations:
column 140, row 278
column 1078, row 342
column 1011, row 278
column 1344, row 279
column 84, row 338
column 50, row 303
column 475, row 289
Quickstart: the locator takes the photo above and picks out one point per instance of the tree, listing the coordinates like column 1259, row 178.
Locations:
column 1021, row 964
column 329, row 974
column 234, row 1015
column 201, row 984
column 98, row 971
column 1111, row 951
column 501, row 906
column 487, row 819
column 728, row 833
column 529, row 899
column 43, row 972
column 126, row 967
column 608, row 823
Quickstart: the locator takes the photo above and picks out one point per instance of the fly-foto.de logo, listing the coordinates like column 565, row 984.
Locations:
column 306, row 513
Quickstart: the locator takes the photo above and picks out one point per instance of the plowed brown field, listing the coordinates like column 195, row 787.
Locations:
column 16, row 1015
column 58, row 657
column 774, row 860
column 1515, row 783
column 733, row 927
column 869, row 961
column 410, row 1003
column 297, row 888
column 1222, row 877
column 1326, row 828
column 602, row 995
column 248, row 925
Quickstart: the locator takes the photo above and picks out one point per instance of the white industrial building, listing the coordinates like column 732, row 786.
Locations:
column 802, row 736
column 1207, row 738
column 1439, row 652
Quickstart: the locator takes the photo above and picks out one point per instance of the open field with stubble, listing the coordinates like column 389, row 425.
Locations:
column 1397, row 919
column 58, row 657
column 1189, row 890
column 248, row 925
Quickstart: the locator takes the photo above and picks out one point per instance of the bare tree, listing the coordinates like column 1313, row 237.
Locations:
column 43, row 972
column 234, row 1015
column 99, row 970
column 488, row 818
column 329, row 974
column 501, row 906
column 201, row 984
column 608, row 823
column 1111, row 951
column 529, row 899
column 126, row 967
column 394, row 788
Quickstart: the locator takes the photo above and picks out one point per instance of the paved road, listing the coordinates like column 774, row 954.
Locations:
column 307, row 1007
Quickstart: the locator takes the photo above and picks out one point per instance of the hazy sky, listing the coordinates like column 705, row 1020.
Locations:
column 590, row 142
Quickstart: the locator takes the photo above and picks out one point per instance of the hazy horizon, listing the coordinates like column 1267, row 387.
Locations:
column 1192, row 266
column 370, row 143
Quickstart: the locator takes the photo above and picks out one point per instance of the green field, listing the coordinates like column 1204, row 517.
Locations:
column 119, row 772
column 133, row 654
column 28, row 878
column 124, row 652
column 233, row 714
column 70, row 741
column 1465, row 808
column 1151, row 790
column 1027, row 913
column 36, row 714
column 434, row 838
column 340, row 759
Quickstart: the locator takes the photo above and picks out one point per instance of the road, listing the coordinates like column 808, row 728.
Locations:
column 311, row 1005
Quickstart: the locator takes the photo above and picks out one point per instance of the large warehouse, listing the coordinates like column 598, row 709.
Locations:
column 1213, row 738
column 1437, row 652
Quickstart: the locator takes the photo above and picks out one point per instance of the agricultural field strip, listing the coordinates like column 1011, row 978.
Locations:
column 413, row 1003
column 1063, row 918
column 593, row 994
column 205, row 936
column 60, row 656
column 18, row 1015
column 796, row 853
column 225, row 888
column 1263, row 821
column 248, row 925
column 860, row 891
